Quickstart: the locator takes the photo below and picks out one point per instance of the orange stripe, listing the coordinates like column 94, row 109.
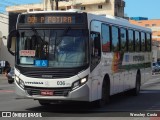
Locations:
column 8, row 91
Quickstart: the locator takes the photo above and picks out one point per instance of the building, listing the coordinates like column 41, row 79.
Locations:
column 4, row 54
column 111, row 7
column 155, row 26
column 139, row 18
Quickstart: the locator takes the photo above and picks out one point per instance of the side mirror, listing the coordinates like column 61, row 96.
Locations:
column 11, row 41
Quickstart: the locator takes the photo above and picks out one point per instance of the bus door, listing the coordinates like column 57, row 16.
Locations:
column 95, row 50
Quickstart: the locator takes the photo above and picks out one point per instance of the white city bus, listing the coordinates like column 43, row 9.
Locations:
column 77, row 56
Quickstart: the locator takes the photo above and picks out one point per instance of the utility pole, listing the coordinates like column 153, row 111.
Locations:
column 56, row 4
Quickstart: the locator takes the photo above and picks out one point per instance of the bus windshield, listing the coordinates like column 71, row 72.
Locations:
column 59, row 48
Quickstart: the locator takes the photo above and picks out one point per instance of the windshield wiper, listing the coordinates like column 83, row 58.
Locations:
column 66, row 30
column 41, row 42
column 37, row 34
column 58, row 41
column 51, row 43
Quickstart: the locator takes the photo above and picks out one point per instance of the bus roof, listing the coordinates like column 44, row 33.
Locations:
column 116, row 21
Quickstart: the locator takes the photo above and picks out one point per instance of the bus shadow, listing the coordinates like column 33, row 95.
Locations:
column 119, row 103
column 83, row 107
column 67, row 107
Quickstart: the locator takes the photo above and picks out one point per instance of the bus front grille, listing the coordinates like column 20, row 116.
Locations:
column 56, row 91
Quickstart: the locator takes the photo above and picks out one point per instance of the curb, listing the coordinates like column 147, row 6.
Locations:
column 152, row 81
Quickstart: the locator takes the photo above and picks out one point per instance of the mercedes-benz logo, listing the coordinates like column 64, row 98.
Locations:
column 46, row 83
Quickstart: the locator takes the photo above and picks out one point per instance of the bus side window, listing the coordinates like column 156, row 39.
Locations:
column 148, row 42
column 106, row 43
column 115, row 39
column 123, row 35
column 95, row 48
column 130, row 41
column 137, row 41
column 27, row 43
column 143, row 42
column 95, row 44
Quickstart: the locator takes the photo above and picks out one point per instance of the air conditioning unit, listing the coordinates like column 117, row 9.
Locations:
column 122, row 3
column 107, row 1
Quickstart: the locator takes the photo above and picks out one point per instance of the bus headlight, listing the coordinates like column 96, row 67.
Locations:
column 17, row 79
column 79, row 83
column 84, row 80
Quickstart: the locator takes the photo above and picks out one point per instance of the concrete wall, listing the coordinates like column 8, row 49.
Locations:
column 4, row 54
column 91, row 6
column 24, row 8
column 107, row 8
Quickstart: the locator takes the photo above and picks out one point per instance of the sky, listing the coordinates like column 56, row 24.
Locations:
column 133, row 8
column 143, row 8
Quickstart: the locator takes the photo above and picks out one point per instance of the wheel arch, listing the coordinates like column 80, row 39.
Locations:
column 107, row 79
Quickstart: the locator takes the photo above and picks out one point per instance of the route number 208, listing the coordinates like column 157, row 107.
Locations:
column 60, row 82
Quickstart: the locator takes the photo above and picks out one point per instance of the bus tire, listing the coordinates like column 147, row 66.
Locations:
column 43, row 103
column 105, row 95
column 136, row 90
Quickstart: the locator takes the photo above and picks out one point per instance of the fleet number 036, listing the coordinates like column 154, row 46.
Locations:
column 60, row 82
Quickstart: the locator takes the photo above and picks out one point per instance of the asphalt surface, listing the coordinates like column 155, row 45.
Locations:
column 119, row 108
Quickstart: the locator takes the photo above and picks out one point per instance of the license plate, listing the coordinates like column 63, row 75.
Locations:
column 47, row 92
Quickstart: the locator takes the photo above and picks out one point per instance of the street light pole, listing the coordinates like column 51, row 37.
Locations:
column 56, row 4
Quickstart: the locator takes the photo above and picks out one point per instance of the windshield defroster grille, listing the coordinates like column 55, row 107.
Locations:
column 49, row 73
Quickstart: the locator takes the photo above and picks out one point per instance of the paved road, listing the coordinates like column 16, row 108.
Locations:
column 120, row 105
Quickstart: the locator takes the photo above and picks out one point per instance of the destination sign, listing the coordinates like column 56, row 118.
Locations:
column 51, row 19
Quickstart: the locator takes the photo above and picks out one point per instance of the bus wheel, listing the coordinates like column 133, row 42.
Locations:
column 10, row 82
column 136, row 90
column 43, row 103
column 105, row 95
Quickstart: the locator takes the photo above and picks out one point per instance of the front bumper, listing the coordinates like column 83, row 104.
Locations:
column 79, row 94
